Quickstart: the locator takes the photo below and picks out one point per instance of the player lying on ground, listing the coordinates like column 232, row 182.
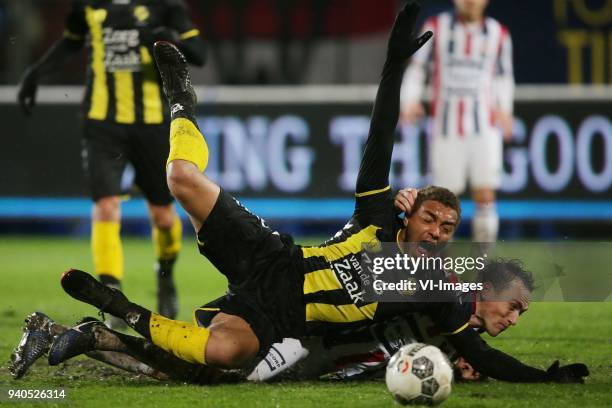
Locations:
column 351, row 355
column 135, row 354
column 281, row 290
column 359, row 353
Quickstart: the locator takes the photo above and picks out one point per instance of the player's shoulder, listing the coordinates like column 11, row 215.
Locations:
column 495, row 25
column 439, row 18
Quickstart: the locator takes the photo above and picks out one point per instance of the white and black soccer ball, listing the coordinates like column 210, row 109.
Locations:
column 419, row 374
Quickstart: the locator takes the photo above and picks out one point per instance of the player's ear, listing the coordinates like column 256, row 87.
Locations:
column 406, row 220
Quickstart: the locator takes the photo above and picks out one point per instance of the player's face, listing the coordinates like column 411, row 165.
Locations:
column 471, row 10
column 504, row 310
column 433, row 222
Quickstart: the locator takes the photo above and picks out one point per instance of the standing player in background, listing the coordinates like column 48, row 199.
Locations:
column 125, row 121
column 469, row 63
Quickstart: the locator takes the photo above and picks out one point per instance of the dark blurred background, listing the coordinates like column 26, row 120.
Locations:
column 334, row 41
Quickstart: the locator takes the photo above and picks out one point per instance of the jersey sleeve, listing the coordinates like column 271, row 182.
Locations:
column 491, row 362
column 413, row 84
column 450, row 317
column 373, row 177
column 76, row 27
column 177, row 18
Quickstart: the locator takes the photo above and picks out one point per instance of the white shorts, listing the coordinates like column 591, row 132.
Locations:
column 456, row 160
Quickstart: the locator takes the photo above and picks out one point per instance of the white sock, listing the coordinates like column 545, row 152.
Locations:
column 280, row 357
column 485, row 223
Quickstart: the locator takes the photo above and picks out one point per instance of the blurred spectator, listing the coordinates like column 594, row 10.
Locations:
column 252, row 41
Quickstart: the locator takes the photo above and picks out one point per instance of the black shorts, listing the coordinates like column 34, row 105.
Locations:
column 108, row 147
column 263, row 271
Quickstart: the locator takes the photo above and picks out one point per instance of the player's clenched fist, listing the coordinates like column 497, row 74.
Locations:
column 404, row 200
column 403, row 42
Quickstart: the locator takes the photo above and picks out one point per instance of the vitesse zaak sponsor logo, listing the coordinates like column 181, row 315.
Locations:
column 348, row 270
column 122, row 49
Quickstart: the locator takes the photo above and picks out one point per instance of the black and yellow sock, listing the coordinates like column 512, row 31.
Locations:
column 150, row 354
column 182, row 339
column 187, row 143
column 167, row 242
column 106, row 249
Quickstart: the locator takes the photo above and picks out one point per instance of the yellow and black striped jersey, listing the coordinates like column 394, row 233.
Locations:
column 334, row 295
column 333, row 289
column 123, row 85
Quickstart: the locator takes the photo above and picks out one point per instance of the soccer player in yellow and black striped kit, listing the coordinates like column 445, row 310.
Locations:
column 125, row 120
column 278, row 289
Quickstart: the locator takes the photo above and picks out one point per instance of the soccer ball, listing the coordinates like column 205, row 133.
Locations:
column 419, row 374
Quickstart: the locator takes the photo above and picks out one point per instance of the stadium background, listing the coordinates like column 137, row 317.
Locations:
column 285, row 100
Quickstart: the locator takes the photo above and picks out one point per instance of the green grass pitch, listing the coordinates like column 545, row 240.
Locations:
column 31, row 267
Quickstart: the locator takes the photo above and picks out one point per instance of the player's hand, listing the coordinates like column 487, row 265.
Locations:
column 504, row 121
column 402, row 41
column 466, row 371
column 404, row 201
column 572, row 373
column 412, row 113
column 26, row 95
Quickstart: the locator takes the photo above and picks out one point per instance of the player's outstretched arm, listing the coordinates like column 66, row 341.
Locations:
column 190, row 41
column 53, row 59
column 501, row 366
column 374, row 170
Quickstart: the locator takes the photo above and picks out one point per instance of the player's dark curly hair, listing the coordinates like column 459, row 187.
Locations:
column 439, row 194
column 501, row 272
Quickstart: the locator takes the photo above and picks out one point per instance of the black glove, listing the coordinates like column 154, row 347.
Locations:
column 572, row 373
column 150, row 37
column 26, row 96
column 402, row 42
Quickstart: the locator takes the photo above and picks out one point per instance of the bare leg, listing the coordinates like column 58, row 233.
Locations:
column 166, row 232
column 193, row 190
column 485, row 224
column 106, row 246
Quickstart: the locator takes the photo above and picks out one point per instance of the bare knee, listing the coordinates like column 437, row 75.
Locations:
column 107, row 209
column 232, row 342
column 483, row 196
column 180, row 176
column 228, row 350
